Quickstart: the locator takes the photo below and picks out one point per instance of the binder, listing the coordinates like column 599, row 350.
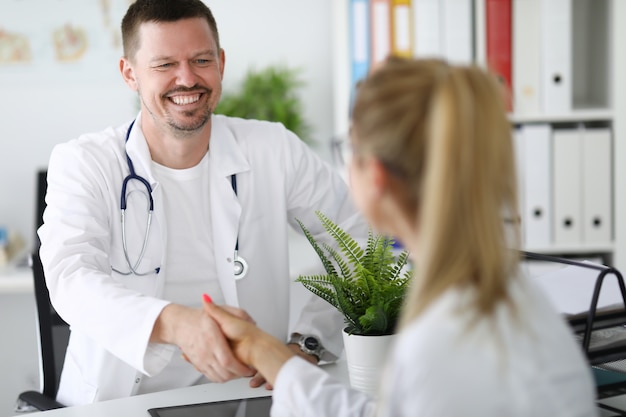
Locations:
column 537, row 224
column 401, row 28
column 520, row 162
column 359, row 39
column 359, row 16
column 480, row 33
column 457, row 31
column 380, row 30
column 567, row 176
column 498, row 38
column 597, row 184
column 556, row 56
column 427, row 28
column 526, row 69
column 341, row 67
column 444, row 29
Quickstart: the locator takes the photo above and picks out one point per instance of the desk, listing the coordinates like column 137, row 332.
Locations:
column 136, row 406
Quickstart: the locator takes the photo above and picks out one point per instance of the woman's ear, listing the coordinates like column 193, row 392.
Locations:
column 378, row 175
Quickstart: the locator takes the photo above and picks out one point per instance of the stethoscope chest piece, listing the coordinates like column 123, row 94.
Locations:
column 241, row 266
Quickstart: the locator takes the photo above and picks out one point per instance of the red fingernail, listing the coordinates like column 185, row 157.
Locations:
column 207, row 298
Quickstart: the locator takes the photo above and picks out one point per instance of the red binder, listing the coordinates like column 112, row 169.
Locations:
column 498, row 38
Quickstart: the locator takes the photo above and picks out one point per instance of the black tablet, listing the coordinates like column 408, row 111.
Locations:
column 248, row 407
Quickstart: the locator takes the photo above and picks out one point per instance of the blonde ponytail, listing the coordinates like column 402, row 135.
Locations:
column 444, row 130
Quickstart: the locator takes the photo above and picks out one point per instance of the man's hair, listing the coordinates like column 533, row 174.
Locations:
column 143, row 11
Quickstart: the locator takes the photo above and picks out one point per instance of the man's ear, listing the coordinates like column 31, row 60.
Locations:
column 128, row 73
column 222, row 60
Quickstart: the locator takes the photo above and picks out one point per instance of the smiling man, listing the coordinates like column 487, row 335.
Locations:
column 144, row 218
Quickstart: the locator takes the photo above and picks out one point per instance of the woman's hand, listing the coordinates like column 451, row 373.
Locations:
column 251, row 345
column 258, row 380
column 201, row 341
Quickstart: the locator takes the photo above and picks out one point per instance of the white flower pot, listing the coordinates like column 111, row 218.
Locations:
column 366, row 357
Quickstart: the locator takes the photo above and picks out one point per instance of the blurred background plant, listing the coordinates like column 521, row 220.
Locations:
column 269, row 94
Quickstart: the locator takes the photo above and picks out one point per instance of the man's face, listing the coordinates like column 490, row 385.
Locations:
column 177, row 72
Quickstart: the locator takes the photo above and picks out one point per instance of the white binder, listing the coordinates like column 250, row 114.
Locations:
column 520, row 161
column 567, row 174
column 597, row 195
column 427, row 28
column 526, row 22
column 457, row 30
column 536, row 225
column 556, row 56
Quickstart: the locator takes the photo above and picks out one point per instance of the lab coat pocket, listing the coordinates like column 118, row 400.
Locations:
column 74, row 387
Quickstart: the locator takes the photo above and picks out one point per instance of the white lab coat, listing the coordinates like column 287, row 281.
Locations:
column 523, row 362
column 279, row 179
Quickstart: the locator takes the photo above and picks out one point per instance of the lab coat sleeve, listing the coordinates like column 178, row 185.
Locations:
column 83, row 180
column 304, row 390
column 314, row 185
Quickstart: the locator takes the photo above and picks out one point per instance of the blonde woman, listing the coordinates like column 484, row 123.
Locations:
column 433, row 166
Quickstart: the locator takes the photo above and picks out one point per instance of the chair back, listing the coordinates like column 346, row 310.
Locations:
column 53, row 331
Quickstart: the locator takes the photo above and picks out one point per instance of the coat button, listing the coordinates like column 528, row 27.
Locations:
column 229, row 260
column 138, row 380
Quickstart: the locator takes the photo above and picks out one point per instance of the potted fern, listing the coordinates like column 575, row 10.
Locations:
column 270, row 94
column 367, row 285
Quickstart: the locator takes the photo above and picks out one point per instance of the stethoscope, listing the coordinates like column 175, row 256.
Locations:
column 239, row 263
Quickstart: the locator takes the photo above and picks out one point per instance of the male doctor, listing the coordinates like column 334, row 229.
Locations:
column 142, row 219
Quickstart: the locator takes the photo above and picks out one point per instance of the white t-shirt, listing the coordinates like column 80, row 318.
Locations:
column 186, row 199
column 515, row 364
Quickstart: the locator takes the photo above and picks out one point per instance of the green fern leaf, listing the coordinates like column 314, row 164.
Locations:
column 367, row 285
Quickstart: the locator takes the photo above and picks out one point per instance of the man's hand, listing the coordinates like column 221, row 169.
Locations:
column 201, row 341
column 250, row 344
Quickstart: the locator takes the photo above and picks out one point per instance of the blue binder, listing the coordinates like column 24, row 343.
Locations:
column 359, row 43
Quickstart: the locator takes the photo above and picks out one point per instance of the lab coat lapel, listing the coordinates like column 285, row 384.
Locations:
column 139, row 152
column 226, row 159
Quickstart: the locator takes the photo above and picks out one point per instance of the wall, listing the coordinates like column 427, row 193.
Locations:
column 37, row 112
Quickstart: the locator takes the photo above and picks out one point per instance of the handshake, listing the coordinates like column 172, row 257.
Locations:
column 224, row 343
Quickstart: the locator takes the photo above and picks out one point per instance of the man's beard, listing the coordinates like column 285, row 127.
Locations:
column 193, row 125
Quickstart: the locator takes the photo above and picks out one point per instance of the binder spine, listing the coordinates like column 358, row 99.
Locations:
column 359, row 16
column 498, row 38
column 401, row 28
column 359, row 39
column 380, row 19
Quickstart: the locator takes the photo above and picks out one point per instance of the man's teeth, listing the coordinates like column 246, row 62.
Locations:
column 181, row 100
